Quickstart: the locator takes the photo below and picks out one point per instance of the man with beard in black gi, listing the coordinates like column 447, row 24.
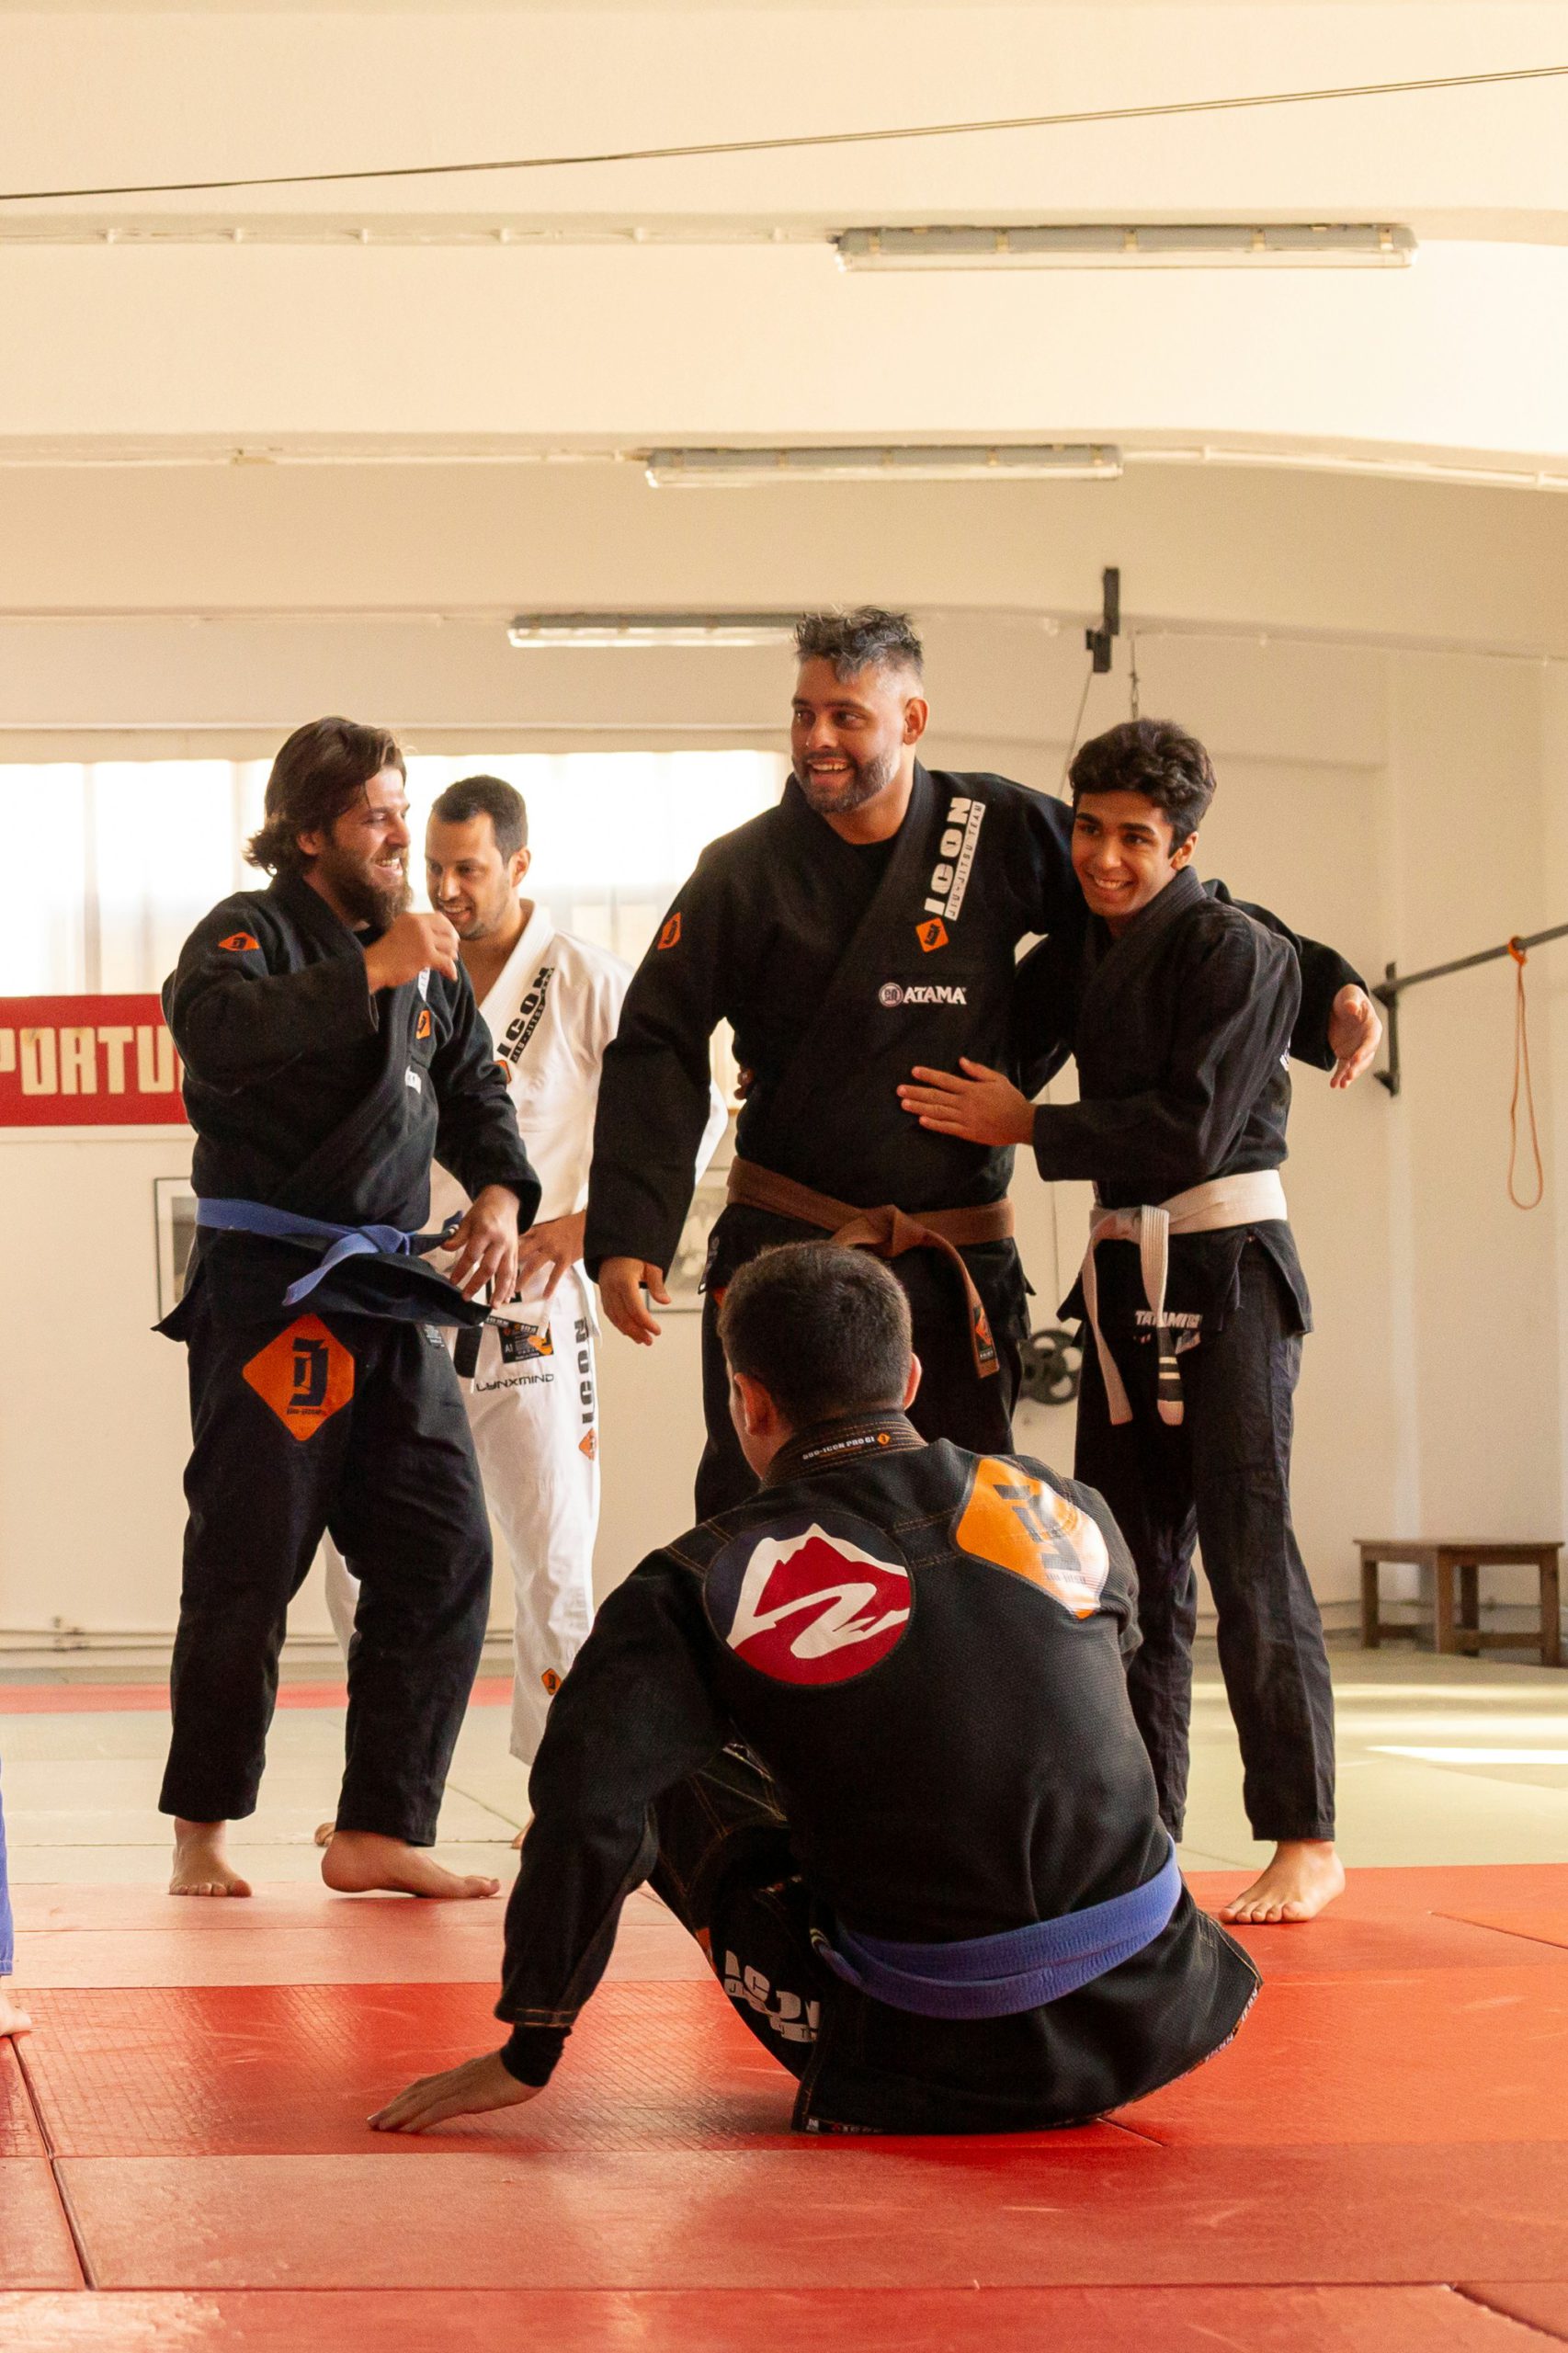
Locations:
column 934, row 1882
column 870, row 922
column 331, row 1045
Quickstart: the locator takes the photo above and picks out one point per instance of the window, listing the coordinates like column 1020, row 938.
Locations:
column 104, row 869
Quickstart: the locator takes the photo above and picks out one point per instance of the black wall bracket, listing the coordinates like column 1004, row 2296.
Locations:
column 1099, row 640
column 1394, row 983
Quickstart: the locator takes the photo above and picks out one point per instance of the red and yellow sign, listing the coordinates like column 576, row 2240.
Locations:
column 305, row 1375
column 87, row 1061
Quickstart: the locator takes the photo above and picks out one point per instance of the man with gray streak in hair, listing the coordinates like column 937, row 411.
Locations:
column 869, row 922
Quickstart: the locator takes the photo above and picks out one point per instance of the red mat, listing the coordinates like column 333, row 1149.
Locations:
column 19, row 2135
column 922, row 2215
column 1126, row 2320
column 1545, row 1924
column 1478, row 2055
column 227, row 2072
column 35, row 2240
column 328, row 1955
column 1542, row 2305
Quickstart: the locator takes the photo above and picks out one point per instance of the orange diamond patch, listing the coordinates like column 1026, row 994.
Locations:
column 671, row 932
column 422, row 1027
column 1020, row 1524
column 242, row 942
column 589, row 1445
column 305, row 1375
column 932, row 935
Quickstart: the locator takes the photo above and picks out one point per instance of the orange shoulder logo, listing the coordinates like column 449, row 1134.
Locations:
column 240, row 942
column 305, row 1375
column 932, row 934
column 422, row 1027
column 589, row 1445
column 671, row 932
column 1020, row 1524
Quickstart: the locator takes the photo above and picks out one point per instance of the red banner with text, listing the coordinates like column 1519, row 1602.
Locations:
column 87, row 1061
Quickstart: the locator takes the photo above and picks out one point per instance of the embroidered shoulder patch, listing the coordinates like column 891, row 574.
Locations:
column 670, row 935
column 241, row 943
column 1020, row 1524
column 813, row 1597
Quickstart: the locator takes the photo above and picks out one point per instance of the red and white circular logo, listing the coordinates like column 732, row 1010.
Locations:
column 812, row 1598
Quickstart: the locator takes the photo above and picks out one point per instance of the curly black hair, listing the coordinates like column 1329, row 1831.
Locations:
column 1155, row 757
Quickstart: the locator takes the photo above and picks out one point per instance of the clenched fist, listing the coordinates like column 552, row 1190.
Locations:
column 411, row 945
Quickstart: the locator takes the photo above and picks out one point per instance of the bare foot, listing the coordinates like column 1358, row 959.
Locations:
column 201, row 1864
column 12, row 2019
column 1305, row 1875
column 360, row 1861
column 325, row 1833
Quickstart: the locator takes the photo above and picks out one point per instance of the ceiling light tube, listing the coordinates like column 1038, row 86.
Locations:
column 708, row 469
column 652, row 628
column 1112, row 246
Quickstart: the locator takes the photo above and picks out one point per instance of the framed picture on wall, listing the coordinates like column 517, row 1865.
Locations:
column 685, row 1277
column 174, row 1216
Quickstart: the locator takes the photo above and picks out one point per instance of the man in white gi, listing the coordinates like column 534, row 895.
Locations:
column 552, row 1002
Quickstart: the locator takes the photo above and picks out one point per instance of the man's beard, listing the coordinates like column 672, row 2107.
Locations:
column 363, row 899
column 845, row 795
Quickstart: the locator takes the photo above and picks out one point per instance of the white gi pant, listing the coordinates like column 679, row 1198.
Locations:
column 533, row 1408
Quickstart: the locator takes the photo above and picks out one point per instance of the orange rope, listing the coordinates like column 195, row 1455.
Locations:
column 1522, row 1081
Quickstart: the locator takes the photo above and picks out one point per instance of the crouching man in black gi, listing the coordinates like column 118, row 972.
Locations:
column 933, row 1880
column 331, row 1044
column 1179, row 1011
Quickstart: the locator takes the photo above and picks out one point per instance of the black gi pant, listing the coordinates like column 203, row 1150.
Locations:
column 726, row 1872
column 1220, row 1477
column 953, row 1401
column 299, row 1423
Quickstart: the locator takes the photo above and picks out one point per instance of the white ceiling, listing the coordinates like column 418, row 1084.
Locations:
column 600, row 309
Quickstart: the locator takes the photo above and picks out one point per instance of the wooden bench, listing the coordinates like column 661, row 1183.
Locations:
column 1460, row 1630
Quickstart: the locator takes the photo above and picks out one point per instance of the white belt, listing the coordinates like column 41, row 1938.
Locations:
column 1254, row 1198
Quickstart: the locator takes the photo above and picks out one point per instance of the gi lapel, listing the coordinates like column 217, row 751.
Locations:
column 506, row 991
column 350, row 1144
column 1110, row 970
column 842, row 1008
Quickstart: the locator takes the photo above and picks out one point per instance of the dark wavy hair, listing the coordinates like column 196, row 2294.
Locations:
column 825, row 1331
column 1155, row 757
column 319, row 772
column 867, row 639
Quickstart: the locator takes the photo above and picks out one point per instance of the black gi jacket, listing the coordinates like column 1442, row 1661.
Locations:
column 310, row 1094
column 839, row 968
column 1180, row 1030
column 979, row 1770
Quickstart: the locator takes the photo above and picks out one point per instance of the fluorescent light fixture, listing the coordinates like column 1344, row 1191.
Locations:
column 1200, row 245
column 705, row 469
column 652, row 629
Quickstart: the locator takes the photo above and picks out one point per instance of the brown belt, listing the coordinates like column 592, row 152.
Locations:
column 889, row 1232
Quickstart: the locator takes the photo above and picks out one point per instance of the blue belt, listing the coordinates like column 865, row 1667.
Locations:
column 995, row 1977
column 338, row 1242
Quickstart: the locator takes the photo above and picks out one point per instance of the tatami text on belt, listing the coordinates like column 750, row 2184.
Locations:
column 1254, row 1198
column 889, row 1232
